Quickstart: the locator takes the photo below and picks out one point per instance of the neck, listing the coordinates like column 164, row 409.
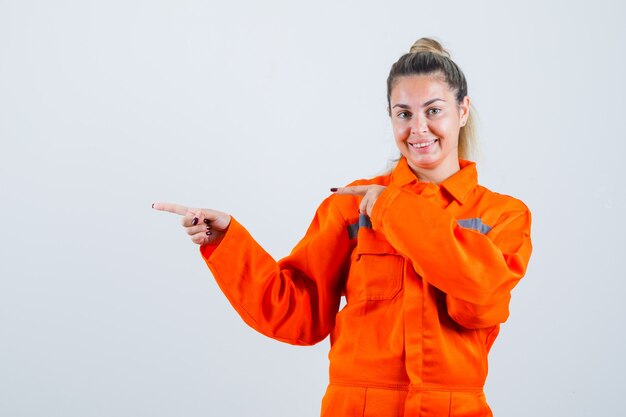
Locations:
column 437, row 174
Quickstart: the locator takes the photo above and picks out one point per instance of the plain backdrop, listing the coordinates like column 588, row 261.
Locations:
column 257, row 108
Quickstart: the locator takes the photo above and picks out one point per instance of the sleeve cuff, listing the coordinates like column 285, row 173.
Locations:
column 207, row 250
column 385, row 199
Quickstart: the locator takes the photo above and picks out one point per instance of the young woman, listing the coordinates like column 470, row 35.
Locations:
column 425, row 256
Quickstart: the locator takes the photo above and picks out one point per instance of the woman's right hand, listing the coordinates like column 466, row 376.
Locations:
column 204, row 226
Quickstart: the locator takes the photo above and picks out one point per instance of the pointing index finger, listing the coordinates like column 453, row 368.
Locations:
column 171, row 208
column 352, row 190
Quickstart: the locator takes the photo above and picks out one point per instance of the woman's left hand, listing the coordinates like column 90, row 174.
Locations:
column 370, row 194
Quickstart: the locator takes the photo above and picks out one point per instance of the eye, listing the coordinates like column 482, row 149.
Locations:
column 433, row 111
column 403, row 115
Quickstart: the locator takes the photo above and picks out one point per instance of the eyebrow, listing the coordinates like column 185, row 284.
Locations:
column 427, row 103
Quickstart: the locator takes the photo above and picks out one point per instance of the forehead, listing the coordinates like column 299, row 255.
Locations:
column 420, row 88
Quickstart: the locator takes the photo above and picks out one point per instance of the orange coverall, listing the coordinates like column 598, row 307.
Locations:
column 427, row 282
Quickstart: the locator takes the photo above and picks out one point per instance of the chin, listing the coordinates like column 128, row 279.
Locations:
column 425, row 162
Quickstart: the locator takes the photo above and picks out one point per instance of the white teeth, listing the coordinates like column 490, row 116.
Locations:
column 423, row 144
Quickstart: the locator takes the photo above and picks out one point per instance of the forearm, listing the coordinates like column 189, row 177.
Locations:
column 293, row 300
column 465, row 264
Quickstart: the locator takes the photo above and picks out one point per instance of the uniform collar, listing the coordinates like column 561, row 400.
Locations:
column 459, row 185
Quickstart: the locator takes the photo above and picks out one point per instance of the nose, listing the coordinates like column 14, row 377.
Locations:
column 419, row 125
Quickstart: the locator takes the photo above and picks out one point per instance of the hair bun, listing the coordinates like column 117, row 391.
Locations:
column 428, row 45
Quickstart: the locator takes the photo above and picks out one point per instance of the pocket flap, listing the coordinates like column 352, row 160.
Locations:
column 371, row 242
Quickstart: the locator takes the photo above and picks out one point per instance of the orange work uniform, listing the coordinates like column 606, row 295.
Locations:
column 427, row 281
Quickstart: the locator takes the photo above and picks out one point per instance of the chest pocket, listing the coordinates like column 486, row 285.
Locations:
column 375, row 270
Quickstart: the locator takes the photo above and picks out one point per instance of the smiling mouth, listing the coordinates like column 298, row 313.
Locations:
column 421, row 145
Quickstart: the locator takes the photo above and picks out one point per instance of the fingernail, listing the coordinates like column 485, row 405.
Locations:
column 208, row 233
column 194, row 221
column 207, row 221
column 333, row 189
column 152, row 205
column 208, row 228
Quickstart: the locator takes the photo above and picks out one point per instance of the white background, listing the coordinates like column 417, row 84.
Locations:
column 257, row 108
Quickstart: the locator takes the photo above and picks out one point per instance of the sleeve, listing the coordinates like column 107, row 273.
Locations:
column 476, row 271
column 294, row 300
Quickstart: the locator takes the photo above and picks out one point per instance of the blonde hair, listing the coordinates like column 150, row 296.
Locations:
column 428, row 57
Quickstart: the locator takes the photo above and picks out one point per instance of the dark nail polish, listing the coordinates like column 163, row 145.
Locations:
column 333, row 189
column 152, row 205
column 207, row 221
column 194, row 221
column 208, row 233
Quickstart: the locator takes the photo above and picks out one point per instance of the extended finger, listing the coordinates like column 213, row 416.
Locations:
column 352, row 190
column 171, row 208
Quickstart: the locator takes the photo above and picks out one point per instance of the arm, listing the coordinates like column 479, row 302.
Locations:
column 294, row 300
column 477, row 271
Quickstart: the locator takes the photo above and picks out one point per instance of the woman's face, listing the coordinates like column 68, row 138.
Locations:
column 426, row 121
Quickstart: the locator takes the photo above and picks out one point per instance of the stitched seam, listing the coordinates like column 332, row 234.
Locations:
column 405, row 387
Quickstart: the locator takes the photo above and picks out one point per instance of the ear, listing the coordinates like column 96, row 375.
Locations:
column 464, row 110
